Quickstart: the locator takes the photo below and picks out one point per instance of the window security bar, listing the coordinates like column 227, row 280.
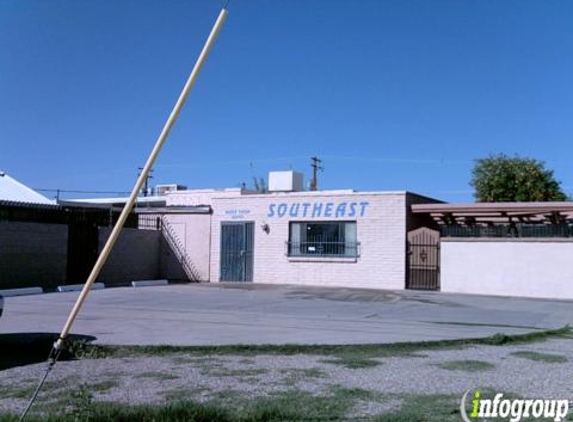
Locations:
column 323, row 249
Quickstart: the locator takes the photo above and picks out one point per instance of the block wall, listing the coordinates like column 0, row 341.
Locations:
column 32, row 254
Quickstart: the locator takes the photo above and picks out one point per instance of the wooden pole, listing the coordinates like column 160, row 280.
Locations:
column 142, row 177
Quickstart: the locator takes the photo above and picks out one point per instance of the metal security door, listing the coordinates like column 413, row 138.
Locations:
column 423, row 260
column 237, row 251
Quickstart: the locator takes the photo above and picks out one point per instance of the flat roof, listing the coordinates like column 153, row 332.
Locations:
column 117, row 200
column 175, row 209
column 234, row 194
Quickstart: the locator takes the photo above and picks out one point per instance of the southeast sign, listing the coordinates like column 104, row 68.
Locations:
column 318, row 209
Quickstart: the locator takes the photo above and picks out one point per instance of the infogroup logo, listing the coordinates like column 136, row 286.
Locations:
column 514, row 409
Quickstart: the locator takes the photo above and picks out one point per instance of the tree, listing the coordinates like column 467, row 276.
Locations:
column 499, row 178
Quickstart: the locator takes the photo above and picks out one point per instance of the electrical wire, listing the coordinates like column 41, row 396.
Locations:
column 81, row 191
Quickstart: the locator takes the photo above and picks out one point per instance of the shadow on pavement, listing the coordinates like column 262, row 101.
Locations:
column 18, row 349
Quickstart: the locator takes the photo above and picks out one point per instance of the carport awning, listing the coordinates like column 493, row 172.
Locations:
column 498, row 213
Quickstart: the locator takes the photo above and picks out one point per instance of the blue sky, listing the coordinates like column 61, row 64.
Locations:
column 394, row 95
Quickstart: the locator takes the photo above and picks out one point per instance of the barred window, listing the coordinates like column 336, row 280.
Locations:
column 332, row 238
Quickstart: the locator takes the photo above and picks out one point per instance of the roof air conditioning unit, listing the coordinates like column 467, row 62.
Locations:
column 286, row 181
column 162, row 190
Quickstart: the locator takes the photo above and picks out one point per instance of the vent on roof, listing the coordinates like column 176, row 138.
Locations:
column 162, row 190
column 286, row 181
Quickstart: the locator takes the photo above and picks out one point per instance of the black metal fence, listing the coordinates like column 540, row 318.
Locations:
column 62, row 214
column 149, row 222
column 514, row 230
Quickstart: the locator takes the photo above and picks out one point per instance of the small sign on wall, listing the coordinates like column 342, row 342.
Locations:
column 237, row 214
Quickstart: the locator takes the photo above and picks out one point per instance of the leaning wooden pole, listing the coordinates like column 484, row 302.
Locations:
column 58, row 345
column 142, row 177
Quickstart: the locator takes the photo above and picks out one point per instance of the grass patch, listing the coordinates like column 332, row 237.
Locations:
column 191, row 358
column 105, row 412
column 353, row 362
column 103, row 385
column 340, row 392
column 313, row 373
column 228, row 398
column 16, row 391
column 467, row 365
column 304, row 373
column 540, row 357
column 430, row 408
column 300, row 406
column 381, row 350
column 232, row 406
column 183, row 360
column 438, row 408
column 223, row 372
column 23, row 349
column 226, row 406
column 183, row 394
column 157, row 375
column 295, row 375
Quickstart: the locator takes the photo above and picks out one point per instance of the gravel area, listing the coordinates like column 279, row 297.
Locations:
column 157, row 379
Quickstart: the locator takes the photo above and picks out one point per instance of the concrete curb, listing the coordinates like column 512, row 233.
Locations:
column 78, row 287
column 148, row 283
column 25, row 291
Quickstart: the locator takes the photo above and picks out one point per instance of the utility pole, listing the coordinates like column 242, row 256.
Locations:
column 146, row 183
column 315, row 163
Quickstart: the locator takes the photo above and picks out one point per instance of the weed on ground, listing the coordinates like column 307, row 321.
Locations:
column 467, row 365
column 540, row 357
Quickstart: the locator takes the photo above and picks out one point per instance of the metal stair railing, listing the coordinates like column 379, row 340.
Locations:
column 178, row 249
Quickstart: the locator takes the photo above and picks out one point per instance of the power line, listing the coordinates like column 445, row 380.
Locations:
column 80, row 191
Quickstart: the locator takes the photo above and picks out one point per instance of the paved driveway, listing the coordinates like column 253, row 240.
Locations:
column 262, row 314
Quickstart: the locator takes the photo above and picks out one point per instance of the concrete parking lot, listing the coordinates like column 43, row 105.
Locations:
column 220, row 314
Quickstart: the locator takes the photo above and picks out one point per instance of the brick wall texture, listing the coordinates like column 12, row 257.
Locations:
column 381, row 231
column 32, row 254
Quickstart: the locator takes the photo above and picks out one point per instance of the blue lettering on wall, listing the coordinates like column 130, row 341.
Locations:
column 352, row 211
column 294, row 209
column 281, row 209
column 363, row 206
column 319, row 209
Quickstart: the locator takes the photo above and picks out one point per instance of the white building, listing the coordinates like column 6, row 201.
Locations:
column 330, row 238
